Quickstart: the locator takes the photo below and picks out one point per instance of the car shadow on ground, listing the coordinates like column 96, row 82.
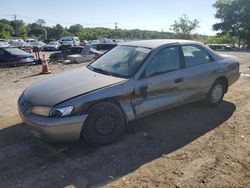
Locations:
column 26, row 161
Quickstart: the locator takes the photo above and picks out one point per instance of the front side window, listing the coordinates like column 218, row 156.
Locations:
column 166, row 60
column 121, row 61
column 195, row 56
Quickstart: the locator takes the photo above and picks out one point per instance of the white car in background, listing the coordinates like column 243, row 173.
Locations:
column 69, row 41
column 4, row 43
column 37, row 44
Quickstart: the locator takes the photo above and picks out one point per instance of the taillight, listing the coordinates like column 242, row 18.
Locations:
column 98, row 54
column 18, row 58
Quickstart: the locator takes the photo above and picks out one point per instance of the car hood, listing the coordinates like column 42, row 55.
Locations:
column 67, row 85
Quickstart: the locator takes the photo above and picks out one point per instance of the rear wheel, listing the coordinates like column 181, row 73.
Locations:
column 216, row 93
column 104, row 124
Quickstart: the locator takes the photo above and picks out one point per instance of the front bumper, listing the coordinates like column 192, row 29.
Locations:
column 54, row 129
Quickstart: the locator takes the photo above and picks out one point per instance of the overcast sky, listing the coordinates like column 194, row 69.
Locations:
column 129, row 14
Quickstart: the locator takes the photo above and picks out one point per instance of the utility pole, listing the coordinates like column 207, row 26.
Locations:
column 161, row 33
column 116, row 27
column 16, row 27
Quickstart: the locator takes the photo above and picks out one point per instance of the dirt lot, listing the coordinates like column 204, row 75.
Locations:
column 190, row 146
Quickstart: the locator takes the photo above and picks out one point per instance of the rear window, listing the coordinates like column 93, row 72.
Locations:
column 76, row 50
column 15, row 51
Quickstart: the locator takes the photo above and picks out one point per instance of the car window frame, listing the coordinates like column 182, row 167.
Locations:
column 211, row 58
column 143, row 74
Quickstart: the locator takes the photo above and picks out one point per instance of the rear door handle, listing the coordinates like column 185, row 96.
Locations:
column 144, row 91
column 178, row 80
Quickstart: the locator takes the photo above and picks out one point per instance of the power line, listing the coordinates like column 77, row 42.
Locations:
column 65, row 23
column 58, row 22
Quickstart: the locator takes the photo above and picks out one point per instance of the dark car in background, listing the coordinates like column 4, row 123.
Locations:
column 86, row 55
column 104, row 47
column 65, row 52
column 14, row 56
column 73, row 51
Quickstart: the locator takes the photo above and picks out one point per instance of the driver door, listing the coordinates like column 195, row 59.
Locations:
column 161, row 85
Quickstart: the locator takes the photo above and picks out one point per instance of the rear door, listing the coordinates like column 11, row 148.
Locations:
column 199, row 73
column 161, row 84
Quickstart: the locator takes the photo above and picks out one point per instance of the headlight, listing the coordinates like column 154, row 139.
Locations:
column 63, row 111
column 41, row 110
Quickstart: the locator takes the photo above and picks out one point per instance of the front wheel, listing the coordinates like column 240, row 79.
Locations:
column 104, row 124
column 216, row 93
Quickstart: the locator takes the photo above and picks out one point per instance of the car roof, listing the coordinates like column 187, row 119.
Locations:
column 157, row 42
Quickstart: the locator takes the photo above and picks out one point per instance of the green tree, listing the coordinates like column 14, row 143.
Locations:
column 184, row 27
column 5, row 31
column 235, row 18
column 221, row 39
column 74, row 29
column 19, row 28
column 40, row 22
column 35, row 30
column 59, row 31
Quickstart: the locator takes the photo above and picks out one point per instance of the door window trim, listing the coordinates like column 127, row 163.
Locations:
column 211, row 58
column 143, row 76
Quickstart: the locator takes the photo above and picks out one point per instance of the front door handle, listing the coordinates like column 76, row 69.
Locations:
column 178, row 80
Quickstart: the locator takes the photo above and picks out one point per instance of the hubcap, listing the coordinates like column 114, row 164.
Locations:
column 217, row 93
column 105, row 124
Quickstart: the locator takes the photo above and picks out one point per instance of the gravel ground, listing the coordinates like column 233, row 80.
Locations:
column 189, row 146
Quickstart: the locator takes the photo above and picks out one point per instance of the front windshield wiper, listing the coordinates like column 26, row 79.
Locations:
column 99, row 70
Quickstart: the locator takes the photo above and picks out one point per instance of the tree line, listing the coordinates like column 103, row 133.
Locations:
column 18, row 29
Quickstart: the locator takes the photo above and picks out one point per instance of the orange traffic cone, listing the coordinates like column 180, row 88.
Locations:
column 45, row 68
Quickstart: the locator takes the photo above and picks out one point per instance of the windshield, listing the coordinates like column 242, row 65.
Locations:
column 15, row 51
column 66, row 40
column 53, row 43
column 121, row 61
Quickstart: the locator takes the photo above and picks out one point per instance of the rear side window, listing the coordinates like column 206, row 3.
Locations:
column 167, row 60
column 194, row 55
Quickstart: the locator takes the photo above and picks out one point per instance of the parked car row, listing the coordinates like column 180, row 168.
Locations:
column 18, row 51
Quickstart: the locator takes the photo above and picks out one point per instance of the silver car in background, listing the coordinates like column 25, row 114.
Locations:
column 52, row 46
column 132, row 80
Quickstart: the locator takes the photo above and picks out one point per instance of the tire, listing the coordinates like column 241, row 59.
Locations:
column 216, row 93
column 104, row 125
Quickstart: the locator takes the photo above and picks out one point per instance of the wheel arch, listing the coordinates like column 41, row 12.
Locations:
column 113, row 100
column 225, row 81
